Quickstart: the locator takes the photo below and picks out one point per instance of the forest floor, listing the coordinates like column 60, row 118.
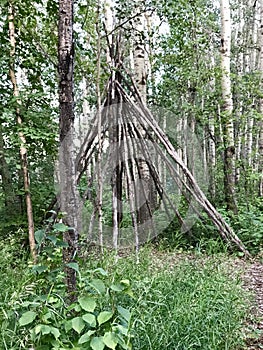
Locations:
column 253, row 282
column 251, row 274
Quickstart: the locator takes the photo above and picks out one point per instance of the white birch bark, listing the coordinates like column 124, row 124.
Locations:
column 22, row 139
column 140, row 60
column 139, row 52
column 227, row 109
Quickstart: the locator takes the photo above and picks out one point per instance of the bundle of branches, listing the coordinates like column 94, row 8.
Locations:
column 134, row 148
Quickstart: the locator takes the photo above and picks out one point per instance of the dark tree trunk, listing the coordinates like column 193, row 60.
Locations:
column 69, row 203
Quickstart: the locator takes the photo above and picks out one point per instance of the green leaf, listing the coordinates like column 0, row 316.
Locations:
column 117, row 287
column 52, row 238
column 41, row 327
column 68, row 326
column 101, row 271
column 73, row 266
column 104, row 316
column 46, row 317
column 39, row 268
column 85, row 337
column 87, row 303
column 27, row 318
column 123, row 330
column 98, row 285
column 45, row 329
column 78, row 324
column 125, row 282
column 124, row 313
column 97, row 343
column 55, row 332
column 60, row 227
column 90, row 319
column 39, row 236
column 110, row 340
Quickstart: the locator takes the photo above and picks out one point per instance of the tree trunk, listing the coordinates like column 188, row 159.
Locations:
column 23, row 149
column 69, row 198
column 7, row 185
column 260, row 141
column 141, row 63
column 227, row 108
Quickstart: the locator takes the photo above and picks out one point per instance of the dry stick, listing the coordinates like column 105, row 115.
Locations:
column 93, row 147
column 160, row 189
column 194, row 189
column 23, row 149
column 116, row 145
column 172, row 170
column 131, row 187
column 100, row 186
column 133, row 193
column 132, row 133
column 89, row 139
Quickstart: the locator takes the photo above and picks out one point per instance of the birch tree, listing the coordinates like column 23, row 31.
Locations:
column 22, row 139
column 140, row 64
column 227, row 107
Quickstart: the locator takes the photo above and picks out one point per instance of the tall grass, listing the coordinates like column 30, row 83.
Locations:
column 191, row 304
column 179, row 303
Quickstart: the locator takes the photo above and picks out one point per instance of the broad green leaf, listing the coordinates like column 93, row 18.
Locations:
column 60, row 243
column 101, row 271
column 123, row 330
column 45, row 329
column 68, row 326
column 104, row 316
column 87, row 303
column 85, row 337
column 27, row 318
column 46, row 317
column 117, row 287
column 55, row 332
column 39, row 268
column 97, row 343
column 124, row 313
column 98, row 285
column 38, row 328
column 73, row 266
column 52, row 238
column 110, row 340
column 60, row 227
column 78, row 324
column 90, row 319
column 39, row 236
column 125, row 282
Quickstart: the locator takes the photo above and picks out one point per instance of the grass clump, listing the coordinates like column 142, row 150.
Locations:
column 178, row 302
column 189, row 307
column 190, row 304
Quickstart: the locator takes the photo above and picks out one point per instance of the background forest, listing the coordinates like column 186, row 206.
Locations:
column 198, row 67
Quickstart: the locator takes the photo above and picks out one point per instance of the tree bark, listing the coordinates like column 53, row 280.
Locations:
column 69, row 198
column 260, row 141
column 23, row 148
column 227, row 108
column 7, row 184
column 140, row 63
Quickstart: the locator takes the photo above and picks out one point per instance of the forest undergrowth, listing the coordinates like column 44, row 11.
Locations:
column 170, row 299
